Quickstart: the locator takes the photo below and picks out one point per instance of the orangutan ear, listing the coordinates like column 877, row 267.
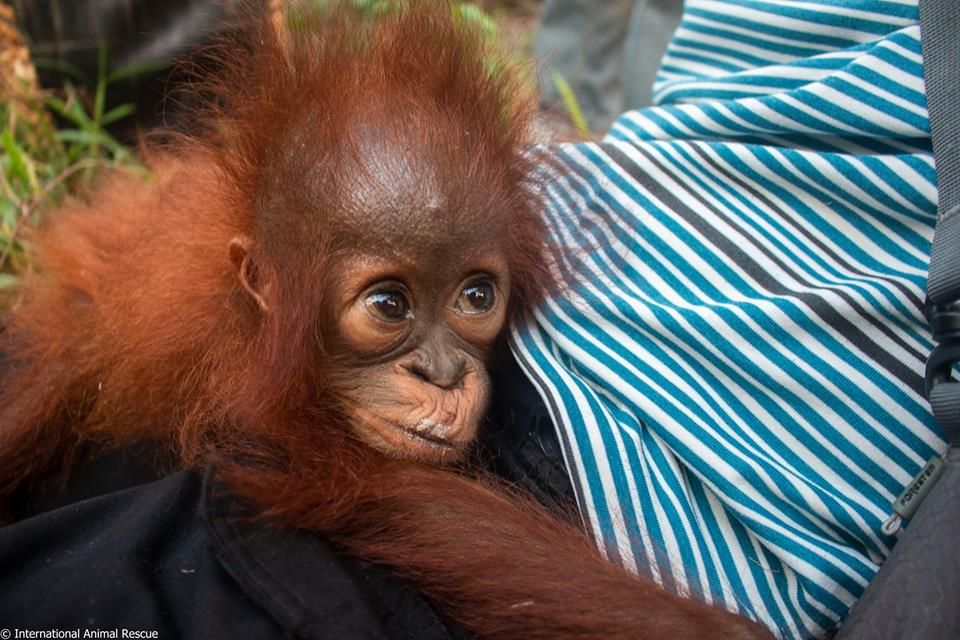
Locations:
column 247, row 272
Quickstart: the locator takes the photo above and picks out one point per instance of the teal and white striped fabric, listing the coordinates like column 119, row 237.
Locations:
column 735, row 363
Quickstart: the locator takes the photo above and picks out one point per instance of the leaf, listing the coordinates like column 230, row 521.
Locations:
column 470, row 12
column 136, row 69
column 572, row 105
column 8, row 213
column 92, row 138
column 100, row 95
column 370, row 8
column 31, row 173
column 8, row 280
column 21, row 165
column 115, row 147
column 78, row 113
column 79, row 136
column 17, row 158
column 118, row 113
column 56, row 104
column 71, row 110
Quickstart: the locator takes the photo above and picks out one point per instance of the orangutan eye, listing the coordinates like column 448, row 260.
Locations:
column 476, row 298
column 389, row 306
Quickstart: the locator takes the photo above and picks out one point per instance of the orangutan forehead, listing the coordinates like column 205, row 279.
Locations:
column 394, row 187
column 384, row 175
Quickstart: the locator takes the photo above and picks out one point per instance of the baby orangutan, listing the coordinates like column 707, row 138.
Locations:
column 307, row 296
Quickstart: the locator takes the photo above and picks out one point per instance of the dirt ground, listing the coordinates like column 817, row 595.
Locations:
column 16, row 72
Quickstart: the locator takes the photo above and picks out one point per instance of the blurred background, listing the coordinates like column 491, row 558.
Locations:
column 81, row 82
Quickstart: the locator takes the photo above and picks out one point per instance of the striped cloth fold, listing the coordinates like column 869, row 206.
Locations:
column 735, row 360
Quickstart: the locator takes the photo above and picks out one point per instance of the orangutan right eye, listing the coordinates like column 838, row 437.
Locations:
column 389, row 305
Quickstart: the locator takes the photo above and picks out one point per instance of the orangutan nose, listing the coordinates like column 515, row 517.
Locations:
column 444, row 370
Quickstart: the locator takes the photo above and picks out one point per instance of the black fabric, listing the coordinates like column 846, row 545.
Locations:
column 519, row 441
column 311, row 591
column 138, row 559
column 915, row 593
column 119, row 547
column 182, row 557
column 101, row 474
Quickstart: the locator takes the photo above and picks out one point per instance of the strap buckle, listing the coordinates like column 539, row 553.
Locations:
column 945, row 323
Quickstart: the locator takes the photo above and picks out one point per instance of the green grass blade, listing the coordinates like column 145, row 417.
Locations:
column 17, row 168
column 100, row 96
column 91, row 140
column 471, row 13
column 71, row 110
column 135, row 69
column 572, row 105
column 117, row 113
column 8, row 214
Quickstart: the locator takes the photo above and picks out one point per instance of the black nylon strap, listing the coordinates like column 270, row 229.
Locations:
column 943, row 285
column 945, row 400
column 940, row 28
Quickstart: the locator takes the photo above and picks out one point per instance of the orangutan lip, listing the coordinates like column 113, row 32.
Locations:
column 440, row 444
column 427, row 436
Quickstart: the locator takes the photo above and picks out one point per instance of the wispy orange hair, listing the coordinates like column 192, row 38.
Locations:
column 135, row 326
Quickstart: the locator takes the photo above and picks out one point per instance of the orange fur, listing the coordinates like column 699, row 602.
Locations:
column 135, row 326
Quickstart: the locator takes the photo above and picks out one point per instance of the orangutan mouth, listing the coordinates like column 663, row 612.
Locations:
column 432, row 432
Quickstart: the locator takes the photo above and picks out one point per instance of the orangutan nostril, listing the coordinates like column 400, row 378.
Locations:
column 420, row 372
column 445, row 373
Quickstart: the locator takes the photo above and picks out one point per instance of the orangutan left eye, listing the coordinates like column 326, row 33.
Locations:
column 476, row 298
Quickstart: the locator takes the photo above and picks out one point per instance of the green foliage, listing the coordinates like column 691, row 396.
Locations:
column 87, row 137
column 40, row 164
column 371, row 8
column 472, row 14
column 572, row 105
column 466, row 13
